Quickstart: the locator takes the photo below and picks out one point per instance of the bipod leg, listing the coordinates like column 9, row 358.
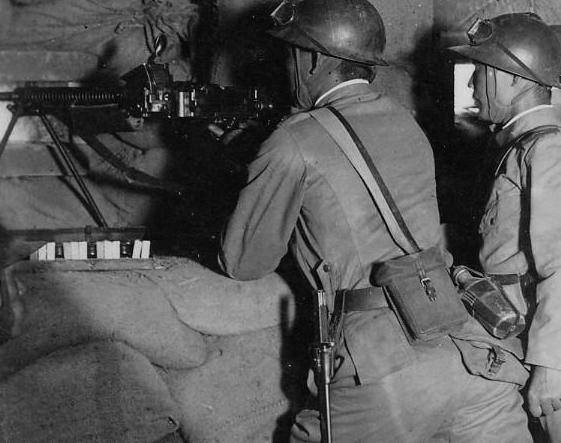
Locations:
column 16, row 114
column 92, row 206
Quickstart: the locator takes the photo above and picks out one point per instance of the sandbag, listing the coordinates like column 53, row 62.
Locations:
column 5, row 17
column 120, row 32
column 70, row 302
column 102, row 391
column 242, row 392
column 218, row 305
column 204, row 300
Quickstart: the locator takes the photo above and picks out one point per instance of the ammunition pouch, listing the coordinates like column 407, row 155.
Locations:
column 422, row 294
column 352, row 300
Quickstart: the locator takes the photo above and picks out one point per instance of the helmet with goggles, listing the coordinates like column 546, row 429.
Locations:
column 347, row 29
column 519, row 43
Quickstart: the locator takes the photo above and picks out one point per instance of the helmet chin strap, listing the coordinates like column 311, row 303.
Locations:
column 302, row 94
column 498, row 112
column 319, row 73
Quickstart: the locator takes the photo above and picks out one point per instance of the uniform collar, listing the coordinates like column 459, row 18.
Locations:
column 527, row 120
column 527, row 111
column 323, row 96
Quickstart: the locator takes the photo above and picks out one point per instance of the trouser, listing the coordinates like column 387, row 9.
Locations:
column 424, row 393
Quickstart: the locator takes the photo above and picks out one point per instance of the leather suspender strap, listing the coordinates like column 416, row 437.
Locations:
column 348, row 141
column 516, row 142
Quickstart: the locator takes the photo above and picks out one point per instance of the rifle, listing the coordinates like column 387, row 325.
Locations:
column 322, row 360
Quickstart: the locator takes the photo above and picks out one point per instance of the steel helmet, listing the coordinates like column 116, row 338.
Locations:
column 348, row 29
column 519, row 43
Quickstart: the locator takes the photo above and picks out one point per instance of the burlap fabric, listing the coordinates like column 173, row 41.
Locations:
column 214, row 304
column 103, row 391
column 68, row 303
column 243, row 393
column 120, row 32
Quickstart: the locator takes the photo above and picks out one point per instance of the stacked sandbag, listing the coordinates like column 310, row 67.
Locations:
column 235, row 387
column 102, row 391
column 71, row 302
column 5, row 17
column 120, row 32
column 214, row 304
column 242, row 392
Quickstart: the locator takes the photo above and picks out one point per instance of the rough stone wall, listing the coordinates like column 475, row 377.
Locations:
column 454, row 15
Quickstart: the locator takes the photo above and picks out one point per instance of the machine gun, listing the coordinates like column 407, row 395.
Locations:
column 149, row 91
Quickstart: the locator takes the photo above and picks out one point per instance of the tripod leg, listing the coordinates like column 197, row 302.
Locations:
column 92, row 206
column 16, row 114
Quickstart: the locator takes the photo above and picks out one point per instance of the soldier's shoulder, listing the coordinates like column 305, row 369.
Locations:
column 294, row 120
column 541, row 142
column 290, row 135
column 287, row 132
column 548, row 133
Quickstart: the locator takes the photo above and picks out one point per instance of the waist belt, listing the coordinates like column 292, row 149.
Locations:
column 360, row 299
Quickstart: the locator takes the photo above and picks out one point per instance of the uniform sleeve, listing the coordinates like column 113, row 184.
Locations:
column 257, row 234
column 544, row 173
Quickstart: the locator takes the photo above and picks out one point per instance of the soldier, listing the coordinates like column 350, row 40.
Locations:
column 302, row 193
column 517, row 60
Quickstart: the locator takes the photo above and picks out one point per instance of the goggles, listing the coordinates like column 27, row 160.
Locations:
column 480, row 31
column 284, row 13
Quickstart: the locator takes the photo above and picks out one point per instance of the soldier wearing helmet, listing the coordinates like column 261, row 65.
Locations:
column 517, row 60
column 302, row 195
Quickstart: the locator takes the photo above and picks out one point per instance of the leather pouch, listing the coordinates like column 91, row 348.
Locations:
column 422, row 294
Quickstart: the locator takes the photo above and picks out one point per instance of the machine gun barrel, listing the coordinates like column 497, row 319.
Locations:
column 56, row 97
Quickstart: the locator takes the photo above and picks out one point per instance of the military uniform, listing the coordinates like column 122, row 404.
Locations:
column 522, row 224
column 303, row 193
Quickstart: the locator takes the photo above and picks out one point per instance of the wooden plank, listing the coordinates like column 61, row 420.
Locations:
column 87, row 234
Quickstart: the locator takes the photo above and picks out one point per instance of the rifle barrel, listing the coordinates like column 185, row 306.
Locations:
column 325, row 414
